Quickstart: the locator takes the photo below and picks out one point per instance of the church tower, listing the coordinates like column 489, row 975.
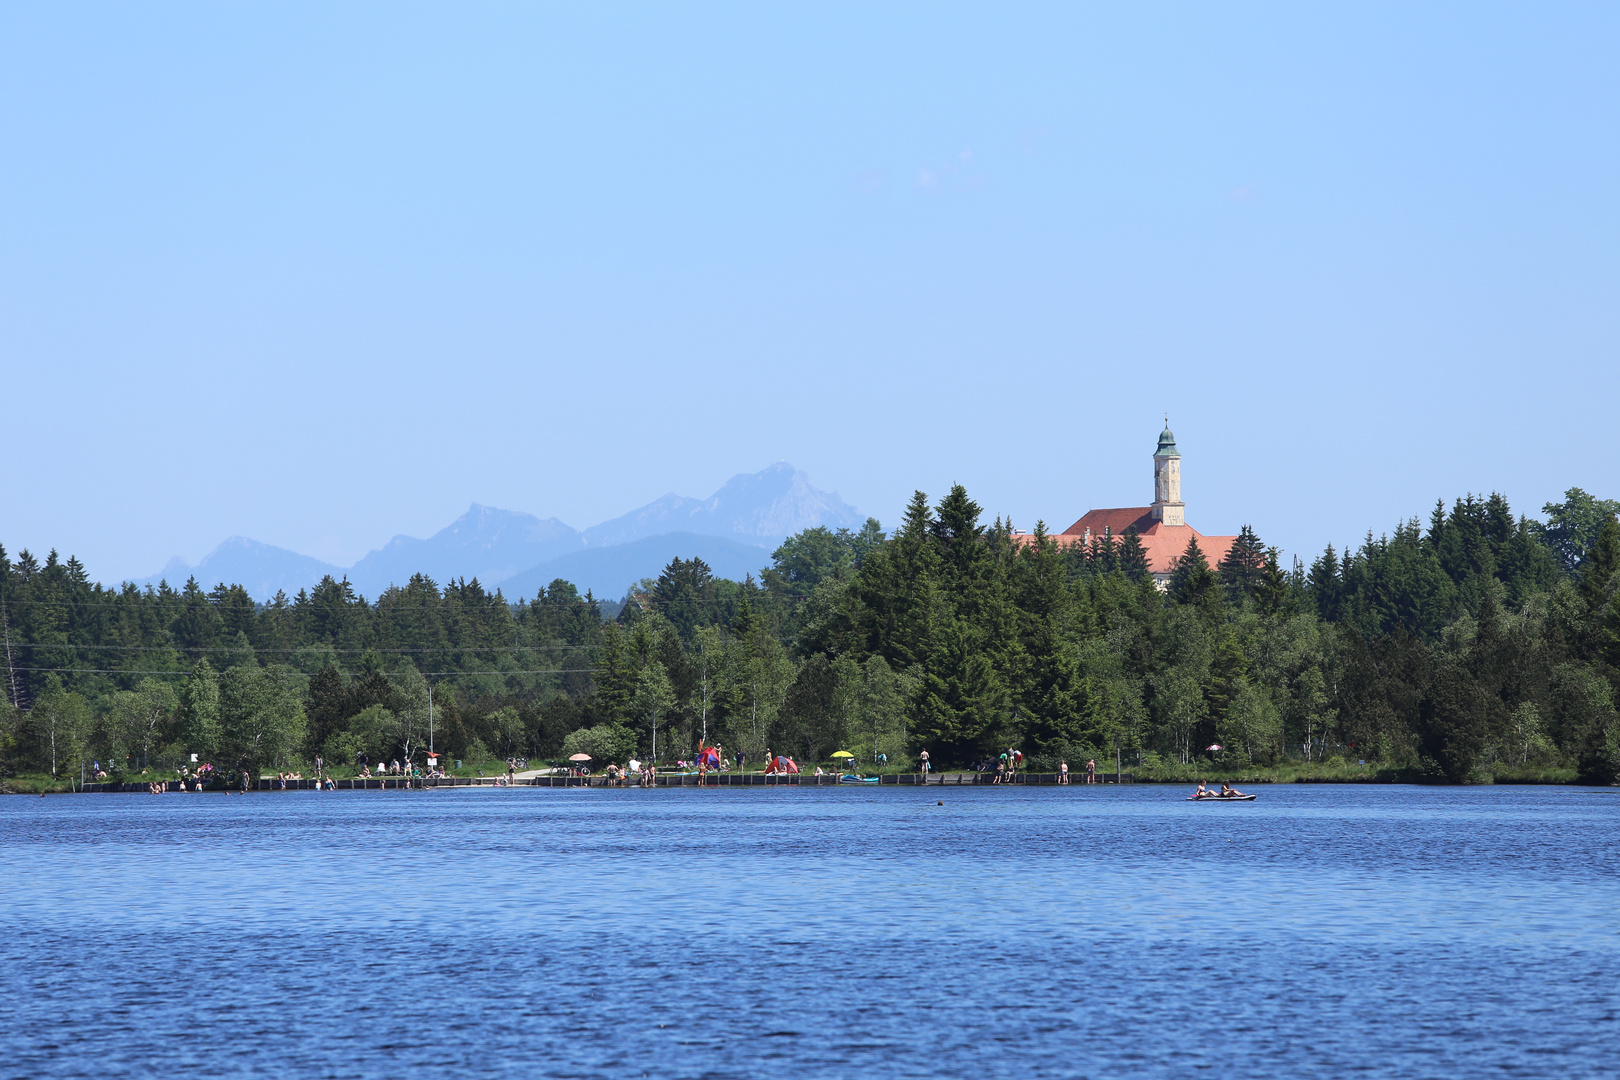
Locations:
column 1167, row 505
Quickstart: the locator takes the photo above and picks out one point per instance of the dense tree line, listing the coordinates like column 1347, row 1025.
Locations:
column 1476, row 643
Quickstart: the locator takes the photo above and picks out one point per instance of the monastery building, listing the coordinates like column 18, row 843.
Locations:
column 1162, row 527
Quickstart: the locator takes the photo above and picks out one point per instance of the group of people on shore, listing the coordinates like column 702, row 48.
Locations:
column 646, row 773
column 1090, row 774
column 1007, row 765
column 187, row 780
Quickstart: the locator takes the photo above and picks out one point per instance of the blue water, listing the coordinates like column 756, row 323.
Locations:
column 1101, row 932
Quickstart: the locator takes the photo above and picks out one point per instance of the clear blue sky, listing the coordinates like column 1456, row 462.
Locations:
column 319, row 274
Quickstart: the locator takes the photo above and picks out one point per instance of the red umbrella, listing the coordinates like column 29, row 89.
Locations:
column 1213, row 746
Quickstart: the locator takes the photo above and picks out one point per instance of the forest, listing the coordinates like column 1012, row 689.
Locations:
column 1475, row 646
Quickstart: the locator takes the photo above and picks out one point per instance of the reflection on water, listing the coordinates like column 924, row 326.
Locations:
column 1092, row 932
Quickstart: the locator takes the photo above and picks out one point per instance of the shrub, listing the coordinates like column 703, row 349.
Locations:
column 605, row 743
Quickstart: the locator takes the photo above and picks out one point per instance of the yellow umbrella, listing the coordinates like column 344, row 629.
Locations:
column 842, row 753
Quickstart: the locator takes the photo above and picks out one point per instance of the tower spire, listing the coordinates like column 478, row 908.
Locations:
column 1167, row 505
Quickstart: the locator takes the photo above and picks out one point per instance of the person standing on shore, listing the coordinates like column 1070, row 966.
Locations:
column 1063, row 772
column 1091, row 771
column 922, row 765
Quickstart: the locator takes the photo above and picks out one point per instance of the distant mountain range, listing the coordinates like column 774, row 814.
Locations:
column 734, row 530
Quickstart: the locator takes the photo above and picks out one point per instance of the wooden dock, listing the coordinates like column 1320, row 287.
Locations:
column 665, row 780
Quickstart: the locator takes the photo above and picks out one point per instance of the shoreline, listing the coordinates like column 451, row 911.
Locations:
column 721, row 780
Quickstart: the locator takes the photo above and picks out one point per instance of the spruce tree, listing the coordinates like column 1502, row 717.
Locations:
column 1131, row 558
column 1192, row 581
column 1599, row 565
column 615, row 677
column 327, row 706
column 960, row 698
column 1243, row 567
column 1325, row 584
column 1104, row 554
column 1274, row 597
column 958, row 535
column 745, row 624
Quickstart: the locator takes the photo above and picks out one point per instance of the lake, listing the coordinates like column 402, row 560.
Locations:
column 836, row 932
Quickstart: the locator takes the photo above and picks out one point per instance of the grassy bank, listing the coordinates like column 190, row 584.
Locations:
column 1337, row 772
column 37, row 784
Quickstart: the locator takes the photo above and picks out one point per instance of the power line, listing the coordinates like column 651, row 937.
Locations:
column 126, row 602
column 131, row 671
column 301, row 649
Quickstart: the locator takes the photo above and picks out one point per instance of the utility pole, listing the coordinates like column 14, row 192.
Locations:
column 11, row 672
column 430, row 719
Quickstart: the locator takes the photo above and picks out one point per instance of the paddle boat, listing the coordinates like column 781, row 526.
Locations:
column 851, row 778
column 1228, row 793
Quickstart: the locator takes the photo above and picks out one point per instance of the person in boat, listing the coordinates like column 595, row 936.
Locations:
column 1203, row 791
column 1230, row 792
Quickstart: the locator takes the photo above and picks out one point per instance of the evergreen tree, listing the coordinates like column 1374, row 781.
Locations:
column 959, row 700
column 1275, row 596
column 1191, row 581
column 1598, row 567
column 198, row 626
column 1131, row 557
column 327, row 707
column 1244, row 566
column 957, row 532
column 1456, row 722
column 1104, row 554
column 615, row 678
column 1325, row 585
column 810, row 726
column 745, row 625
column 684, row 595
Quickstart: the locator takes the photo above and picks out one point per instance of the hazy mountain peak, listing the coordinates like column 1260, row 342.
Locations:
column 486, row 542
column 260, row 568
column 754, row 509
column 777, row 502
column 760, row 508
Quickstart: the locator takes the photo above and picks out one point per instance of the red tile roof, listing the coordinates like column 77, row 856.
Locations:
column 1115, row 521
column 1164, row 544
